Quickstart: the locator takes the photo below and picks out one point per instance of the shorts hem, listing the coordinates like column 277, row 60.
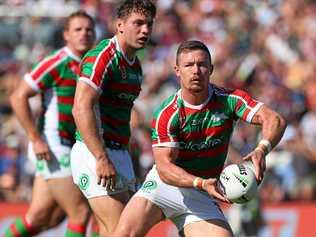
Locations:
column 104, row 194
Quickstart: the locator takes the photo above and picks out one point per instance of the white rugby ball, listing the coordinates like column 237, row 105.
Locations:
column 237, row 182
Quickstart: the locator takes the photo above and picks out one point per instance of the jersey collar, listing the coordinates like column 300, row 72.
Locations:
column 130, row 62
column 71, row 54
column 200, row 106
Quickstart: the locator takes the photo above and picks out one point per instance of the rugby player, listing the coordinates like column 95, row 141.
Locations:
column 54, row 78
column 110, row 80
column 190, row 138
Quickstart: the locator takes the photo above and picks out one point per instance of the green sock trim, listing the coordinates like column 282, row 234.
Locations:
column 70, row 233
column 21, row 227
column 8, row 233
column 94, row 234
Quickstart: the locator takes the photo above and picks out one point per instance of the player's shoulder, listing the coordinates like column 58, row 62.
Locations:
column 103, row 45
column 53, row 55
column 167, row 105
column 104, row 51
column 227, row 92
column 50, row 60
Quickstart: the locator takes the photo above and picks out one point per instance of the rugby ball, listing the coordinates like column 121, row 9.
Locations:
column 237, row 182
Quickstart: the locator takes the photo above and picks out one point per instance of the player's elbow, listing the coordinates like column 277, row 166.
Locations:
column 76, row 110
column 15, row 98
column 280, row 122
column 163, row 173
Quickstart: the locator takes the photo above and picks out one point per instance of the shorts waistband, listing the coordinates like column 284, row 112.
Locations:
column 115, row 145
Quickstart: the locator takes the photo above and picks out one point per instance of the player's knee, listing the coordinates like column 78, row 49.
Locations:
column 39, row 218
column 80, row 214
column 125, row 231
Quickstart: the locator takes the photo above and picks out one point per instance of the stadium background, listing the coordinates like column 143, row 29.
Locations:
column 267, row 47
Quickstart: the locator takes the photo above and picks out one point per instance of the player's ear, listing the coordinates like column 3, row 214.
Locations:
column 66, row 35
column 211, row 69
column 177, row 70
column 119, row 25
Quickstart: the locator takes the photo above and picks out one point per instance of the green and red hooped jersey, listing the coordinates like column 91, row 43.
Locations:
column 55, row 79
column 118, row 81
column 201, row 133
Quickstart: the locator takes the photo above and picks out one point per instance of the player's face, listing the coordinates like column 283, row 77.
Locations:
column 136, row 29
column 194, row 69
column 80, row 35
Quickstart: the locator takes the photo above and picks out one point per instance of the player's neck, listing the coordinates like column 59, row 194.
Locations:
column 128, row 51
column 195, row 98
column 75, row 52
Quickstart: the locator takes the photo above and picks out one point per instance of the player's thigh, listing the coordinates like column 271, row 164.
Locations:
column 68, row 195
column 137, row 218
column 215, row 227
column 109, row 208
column 42, row 204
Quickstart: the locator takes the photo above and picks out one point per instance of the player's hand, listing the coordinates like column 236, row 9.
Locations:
column 257, row 157
column 106, row 173
column 210, row 186
column 41, row 149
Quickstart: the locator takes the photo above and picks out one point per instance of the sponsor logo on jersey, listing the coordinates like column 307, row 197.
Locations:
column 216, row 117
column 196, row 122
column 84, row 181
column 149, row 185
column 204, row 145
column 127, row 96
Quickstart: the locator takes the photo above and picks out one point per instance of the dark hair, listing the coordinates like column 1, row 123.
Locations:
column 145, row 7
column 191, row 45
column 79, row 13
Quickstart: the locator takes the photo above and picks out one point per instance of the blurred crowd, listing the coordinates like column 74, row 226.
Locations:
column 267, row 47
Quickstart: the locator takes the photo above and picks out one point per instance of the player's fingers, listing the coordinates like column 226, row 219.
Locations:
column 102, row 181
column 46, row 156
column 220, row 197
column 40, row 156
column 112, row 183
column 247, row 157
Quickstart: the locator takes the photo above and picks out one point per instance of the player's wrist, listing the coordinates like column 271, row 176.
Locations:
column 264, row 146
column 34, row 137
column 199, row 183
column 102, row 157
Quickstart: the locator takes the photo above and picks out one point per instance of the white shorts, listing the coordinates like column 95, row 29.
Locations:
column 83, row 166
column 181, row 205
column 57, row 167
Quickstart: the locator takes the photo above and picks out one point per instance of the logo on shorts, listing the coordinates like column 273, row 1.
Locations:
column 65, row 161
column 40, row 165
column 149, row 185
column 84, row 181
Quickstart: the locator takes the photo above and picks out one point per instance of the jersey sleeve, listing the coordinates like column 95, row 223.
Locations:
column 42, row 75
column 94, row 68
column 243, row 105
column 165, row 126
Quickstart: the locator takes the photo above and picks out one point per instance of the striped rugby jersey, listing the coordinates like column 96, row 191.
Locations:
column 55, row 79
column 202, row 133
column 118, row 81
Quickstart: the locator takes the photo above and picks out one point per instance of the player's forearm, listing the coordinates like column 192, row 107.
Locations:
column 174, row 175
column 273, row 128
column 86, row 124
column 22, row 110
